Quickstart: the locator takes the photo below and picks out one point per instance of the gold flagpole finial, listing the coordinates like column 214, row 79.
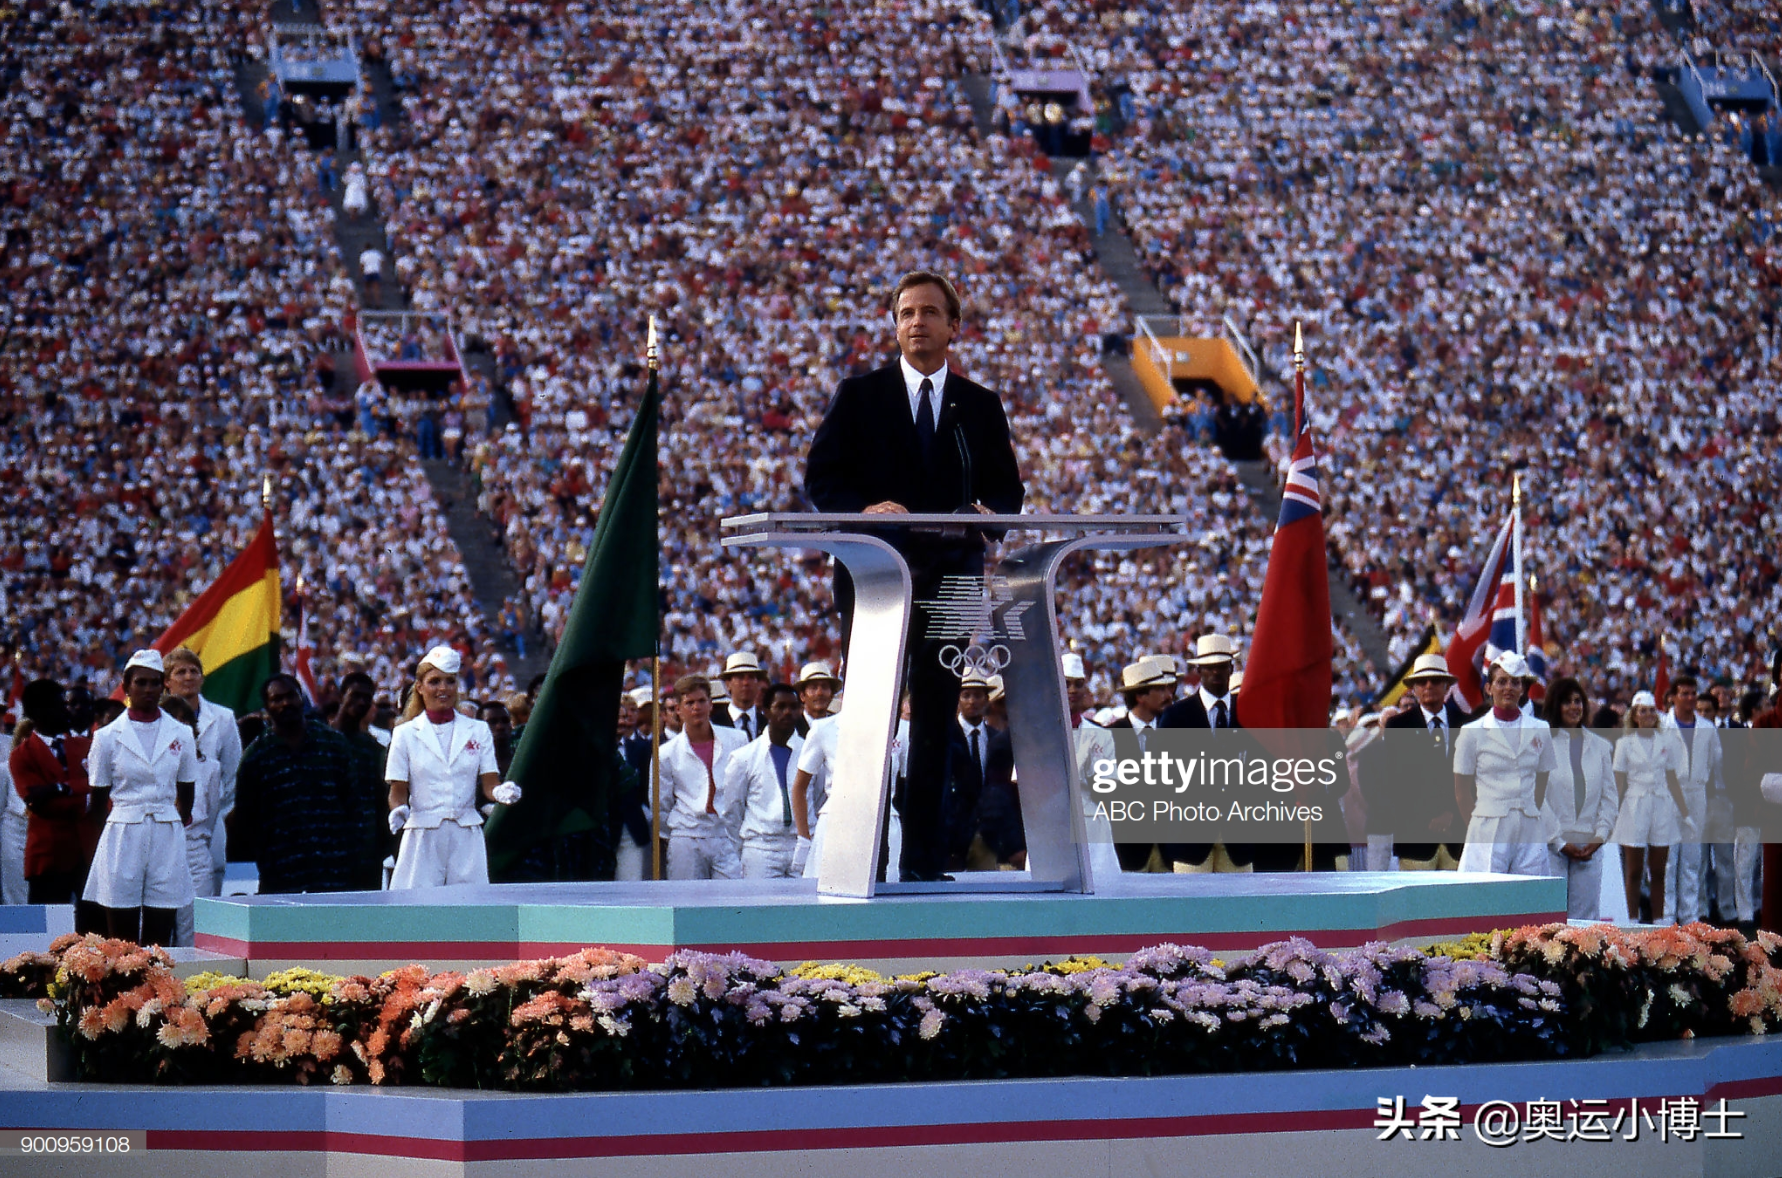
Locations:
column 1534, row 583
column 266, row 491
column 651, row 355
column 1299, row 348
column 1516, row 489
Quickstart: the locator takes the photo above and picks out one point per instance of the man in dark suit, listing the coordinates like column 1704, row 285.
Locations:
column 1212, row 705
column 915, row 437
column 980, row 789
column 1409, row 791
column 744, row 681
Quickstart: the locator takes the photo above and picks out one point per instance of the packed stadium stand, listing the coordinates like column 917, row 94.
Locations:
column 1505, row 254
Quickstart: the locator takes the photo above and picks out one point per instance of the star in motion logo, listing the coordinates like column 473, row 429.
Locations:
column 980, row 613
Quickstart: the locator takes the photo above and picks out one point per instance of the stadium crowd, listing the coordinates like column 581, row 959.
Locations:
column 670, row 164
column 169, row 346
column 1506, row 260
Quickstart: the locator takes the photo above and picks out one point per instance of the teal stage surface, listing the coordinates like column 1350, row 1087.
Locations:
column 785, row 921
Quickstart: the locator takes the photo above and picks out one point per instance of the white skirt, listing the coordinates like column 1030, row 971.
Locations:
column 140, row 865
column 441, row 855
column 1648, row 820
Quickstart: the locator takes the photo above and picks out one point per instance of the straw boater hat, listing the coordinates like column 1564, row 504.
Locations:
column 1074, row 668
column 973, row 679
column 1429, row 666
column 1148, row 673
column 996, row 688
column 818, row 672
column 1237, row 681
column 1212, row 649
column 643, row 697
column 743, row 662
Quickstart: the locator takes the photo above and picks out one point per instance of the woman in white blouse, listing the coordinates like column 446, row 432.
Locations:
column 146, row 763
column 440, row 764
column 1649, row 761
column 1582, row 799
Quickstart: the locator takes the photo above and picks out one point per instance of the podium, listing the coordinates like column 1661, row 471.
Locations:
column 1005, row 620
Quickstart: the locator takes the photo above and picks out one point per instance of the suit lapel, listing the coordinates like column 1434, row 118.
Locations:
column 897, row 408
column 150, row 754
column 460, row 736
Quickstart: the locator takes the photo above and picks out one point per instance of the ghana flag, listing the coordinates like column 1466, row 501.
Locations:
column 233, row 626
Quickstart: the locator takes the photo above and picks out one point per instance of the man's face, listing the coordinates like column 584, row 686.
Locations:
column 1685, row 701
column 501, row 725
column 1707, row 707
column 1723, row 696
column 627, row 715
column 185, row 680
column 1430, row 693
column 972, row 703
column 1505, row 690
column 355, row 704
column 782, row 717
column 284, row 707
column 1216, row 678
column 1152, row 700
column 744, row 690
column 142, row 688
column 923, row 326
column 695, row 707
column 816, row 697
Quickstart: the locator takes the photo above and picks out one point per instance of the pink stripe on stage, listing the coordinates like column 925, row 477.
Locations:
column 761, row 1140
column 938, row 947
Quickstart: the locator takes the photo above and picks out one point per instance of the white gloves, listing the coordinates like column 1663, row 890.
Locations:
column 487, row 810
column 398, row 819
column 507, row 793
column 1771, row 785
column 801, row 852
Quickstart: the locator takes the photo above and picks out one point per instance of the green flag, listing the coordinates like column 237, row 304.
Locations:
column 568, row 761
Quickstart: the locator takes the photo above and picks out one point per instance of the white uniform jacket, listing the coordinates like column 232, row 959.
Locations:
column 442, row 764
column 143, row 776
column 750, row 792
column 1602, row 799
column 1706, row 770
column 219, row 739
column 686, row 787
column 1504, row 759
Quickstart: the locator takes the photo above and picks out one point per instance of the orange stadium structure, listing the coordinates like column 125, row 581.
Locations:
column 1172, row 363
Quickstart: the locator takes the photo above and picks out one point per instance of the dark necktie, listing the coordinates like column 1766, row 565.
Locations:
column 1441, row 737
column 976, row 759
column 1219, row 714
column 742, row 722
column 925, row 416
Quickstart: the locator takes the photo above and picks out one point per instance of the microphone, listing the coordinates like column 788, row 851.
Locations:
column 965, row 497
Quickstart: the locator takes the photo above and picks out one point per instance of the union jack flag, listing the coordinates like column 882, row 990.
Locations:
column 1299, row 498
column 1489, row 626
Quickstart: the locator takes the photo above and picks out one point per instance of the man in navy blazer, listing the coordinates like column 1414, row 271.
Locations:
column 915, row 436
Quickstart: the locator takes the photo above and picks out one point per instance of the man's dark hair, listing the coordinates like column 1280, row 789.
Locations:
column 777, row 689
column 284, row 677
column 43, row 701
column 494, row 705
column 688, row 683
column 927, row 278
column 354, row 679
column 1685, row 680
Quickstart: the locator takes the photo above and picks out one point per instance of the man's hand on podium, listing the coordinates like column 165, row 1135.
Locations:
column 888, row 507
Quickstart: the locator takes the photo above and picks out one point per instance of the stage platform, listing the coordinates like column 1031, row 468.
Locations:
column 1295, row 1122
column 785, row 921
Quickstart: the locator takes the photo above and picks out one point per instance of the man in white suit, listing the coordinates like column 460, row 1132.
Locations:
column 1705, row 780
column 758, row 791
column 219, row 741
column 700, row 843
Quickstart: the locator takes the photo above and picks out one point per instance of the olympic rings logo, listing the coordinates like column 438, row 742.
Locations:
column 976, row 659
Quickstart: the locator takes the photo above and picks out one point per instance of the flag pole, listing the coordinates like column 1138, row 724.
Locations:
column 651, row 361
column 1516, row 555
column 1299, row 411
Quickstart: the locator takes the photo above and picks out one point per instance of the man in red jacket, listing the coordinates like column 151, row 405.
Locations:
column 49, row 770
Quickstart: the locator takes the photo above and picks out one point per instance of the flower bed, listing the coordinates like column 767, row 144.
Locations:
column 604, row 1020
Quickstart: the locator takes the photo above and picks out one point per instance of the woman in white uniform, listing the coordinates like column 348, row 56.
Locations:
column 1501, row 764
column 1649, row 762
column 146, row 763
column 1582, row 800
column 206, row 798
column 440, row 764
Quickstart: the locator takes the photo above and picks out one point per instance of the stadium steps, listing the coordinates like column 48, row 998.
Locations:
column 977, row 88
column 249, row 73
column 492, row 576
column 1676, row 18
column 1676, row 108
column 1259, row 479
column 383, row 91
